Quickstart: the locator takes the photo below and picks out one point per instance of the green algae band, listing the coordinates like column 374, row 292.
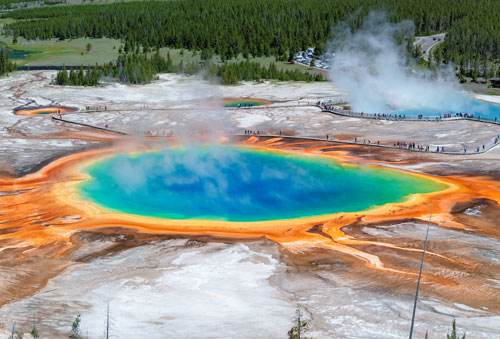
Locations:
column 244, row 102
column 241, row 184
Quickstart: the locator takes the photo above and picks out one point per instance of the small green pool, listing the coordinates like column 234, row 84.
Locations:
column 245, row 102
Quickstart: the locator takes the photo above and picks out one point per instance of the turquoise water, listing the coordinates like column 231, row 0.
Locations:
column 457, row 103
column 241, row 184
column 245, row 103
column 14, row 53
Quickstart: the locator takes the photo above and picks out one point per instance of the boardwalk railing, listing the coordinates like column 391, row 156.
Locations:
column 331, row 108
column 97, row 109
column 416, row 147
column 55, row 117
column 403, row 148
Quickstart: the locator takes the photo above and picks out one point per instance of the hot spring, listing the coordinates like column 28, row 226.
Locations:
column 431, row 105
column 458, row 104
column 241, row 184
column 244, row 102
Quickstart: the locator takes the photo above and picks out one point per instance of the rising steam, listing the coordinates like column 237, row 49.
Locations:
column 371, row 64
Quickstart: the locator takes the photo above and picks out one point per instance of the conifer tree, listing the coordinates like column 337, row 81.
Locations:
column 299, row 328
column 454, row 334
column 75, row 328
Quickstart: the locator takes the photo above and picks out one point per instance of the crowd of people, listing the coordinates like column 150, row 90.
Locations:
column 400, row 144
column 253, row 132
column 419, row 147
column 335, row 107
column 398, row 116
column 414, row 146
column 410, row 145
column 157, row 133
column 96, row 108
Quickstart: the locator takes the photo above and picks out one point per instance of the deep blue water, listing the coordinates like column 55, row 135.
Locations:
column 241, row 184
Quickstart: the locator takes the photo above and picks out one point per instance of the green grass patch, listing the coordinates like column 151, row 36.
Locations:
column 69, row 52
column 97, row 2
column 73, row 53
column 492, row 91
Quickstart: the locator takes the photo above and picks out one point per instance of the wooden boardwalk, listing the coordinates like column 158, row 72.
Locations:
column 330, row 140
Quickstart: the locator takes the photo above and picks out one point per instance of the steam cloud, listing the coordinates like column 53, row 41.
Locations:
column 210, row 120
column 198, row 114
column 372, row 67
column 197, row 121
